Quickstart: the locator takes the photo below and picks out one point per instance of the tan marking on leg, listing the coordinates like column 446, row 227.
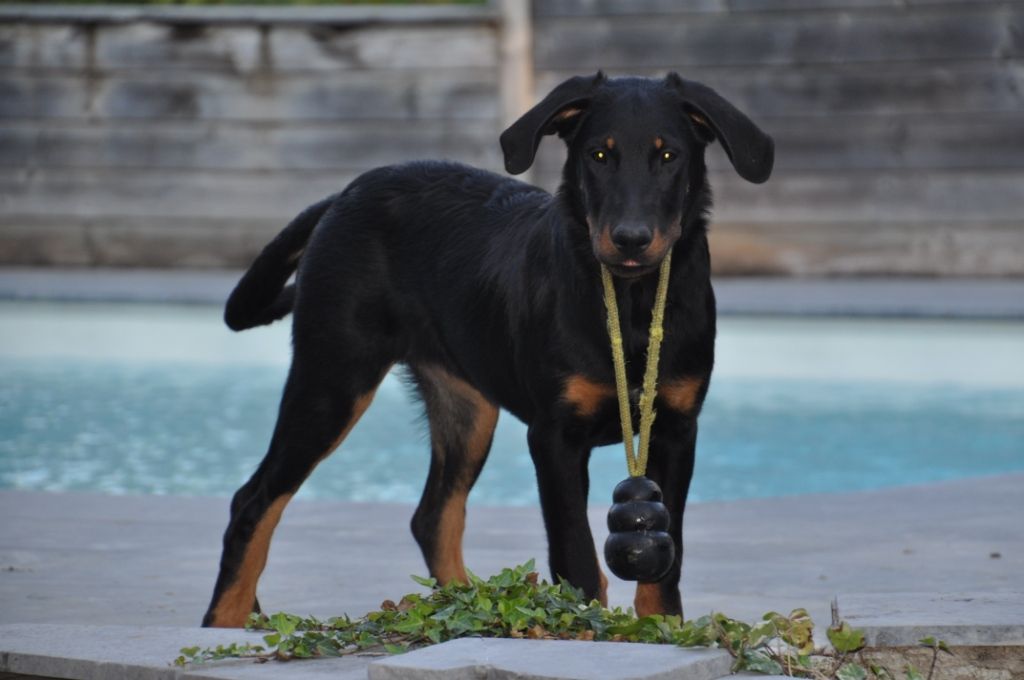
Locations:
column 648, row 599
column 236, row 603
column 602, row 588
column 359, row 407
column 681, row 394
column 586, row 395
column 448, row 564
column 658, row 143
column 610, row 143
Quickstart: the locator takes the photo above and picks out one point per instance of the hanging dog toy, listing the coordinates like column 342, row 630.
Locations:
column 639, row 547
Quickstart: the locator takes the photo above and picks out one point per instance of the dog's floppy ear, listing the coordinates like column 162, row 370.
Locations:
column 751, row 151
column 555, row 113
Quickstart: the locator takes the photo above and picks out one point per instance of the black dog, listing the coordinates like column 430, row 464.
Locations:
column 489, row 291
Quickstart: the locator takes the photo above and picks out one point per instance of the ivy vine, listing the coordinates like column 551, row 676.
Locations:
column 517, row 604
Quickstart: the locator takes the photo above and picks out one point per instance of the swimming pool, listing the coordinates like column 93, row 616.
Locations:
column 131, row 398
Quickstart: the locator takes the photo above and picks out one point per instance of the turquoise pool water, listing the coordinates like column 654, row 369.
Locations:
column 164, row 400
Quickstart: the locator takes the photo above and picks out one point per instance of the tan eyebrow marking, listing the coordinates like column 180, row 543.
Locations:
column 658, row 142
column 610, row 143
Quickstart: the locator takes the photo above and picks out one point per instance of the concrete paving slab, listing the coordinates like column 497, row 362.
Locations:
column 959, row 619
column 496, row 659
column 82, row 652
column 90, row 558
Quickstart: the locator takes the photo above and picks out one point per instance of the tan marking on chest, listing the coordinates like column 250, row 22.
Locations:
column 586, row 395
column 680, row 394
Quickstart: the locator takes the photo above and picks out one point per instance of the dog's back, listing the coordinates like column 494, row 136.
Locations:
column 432, row 218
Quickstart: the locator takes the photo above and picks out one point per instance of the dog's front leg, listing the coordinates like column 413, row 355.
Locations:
column 670, row 464
column 561, row 464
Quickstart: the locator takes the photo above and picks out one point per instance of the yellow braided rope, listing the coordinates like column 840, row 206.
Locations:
column 619, row 361
column 636, row 462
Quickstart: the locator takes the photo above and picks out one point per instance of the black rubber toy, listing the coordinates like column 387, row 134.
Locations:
column 638, row 547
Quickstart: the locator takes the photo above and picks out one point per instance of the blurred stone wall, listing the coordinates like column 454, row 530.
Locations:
column 186, row 137
column 899, row 124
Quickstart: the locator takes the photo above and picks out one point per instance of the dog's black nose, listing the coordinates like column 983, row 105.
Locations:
column 631, row 239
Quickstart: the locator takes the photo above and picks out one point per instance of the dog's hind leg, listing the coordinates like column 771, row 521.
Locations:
column 322, row 401
column 462, row 425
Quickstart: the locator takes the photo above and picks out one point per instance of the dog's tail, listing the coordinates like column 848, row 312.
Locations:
column 261, row 296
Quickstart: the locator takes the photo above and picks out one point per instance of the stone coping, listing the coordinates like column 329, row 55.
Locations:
column 498, row 659
column 145, row 653
column 248, row 15
column 83, row 652
column 882, row 297
column 958, row 619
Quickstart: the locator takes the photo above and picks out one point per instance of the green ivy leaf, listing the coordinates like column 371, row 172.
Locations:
column 911, row 673
column 846, row 639
column 881, row 673
column 516, row 603
column 425, row 582
column 759, row 662
column 284, row 624
column 935, row 644
column 851, row 671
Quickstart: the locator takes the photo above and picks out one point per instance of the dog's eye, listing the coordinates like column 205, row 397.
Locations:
column 668, row 156
column 600, row 156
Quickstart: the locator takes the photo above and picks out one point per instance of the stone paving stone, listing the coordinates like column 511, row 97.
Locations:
column 902, row 619
column 83, row 652
column 499, row 659
column 971, row 298
column 145, row 653
column 151, row 560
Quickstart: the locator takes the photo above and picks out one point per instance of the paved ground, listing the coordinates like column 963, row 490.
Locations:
column 77, row 558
